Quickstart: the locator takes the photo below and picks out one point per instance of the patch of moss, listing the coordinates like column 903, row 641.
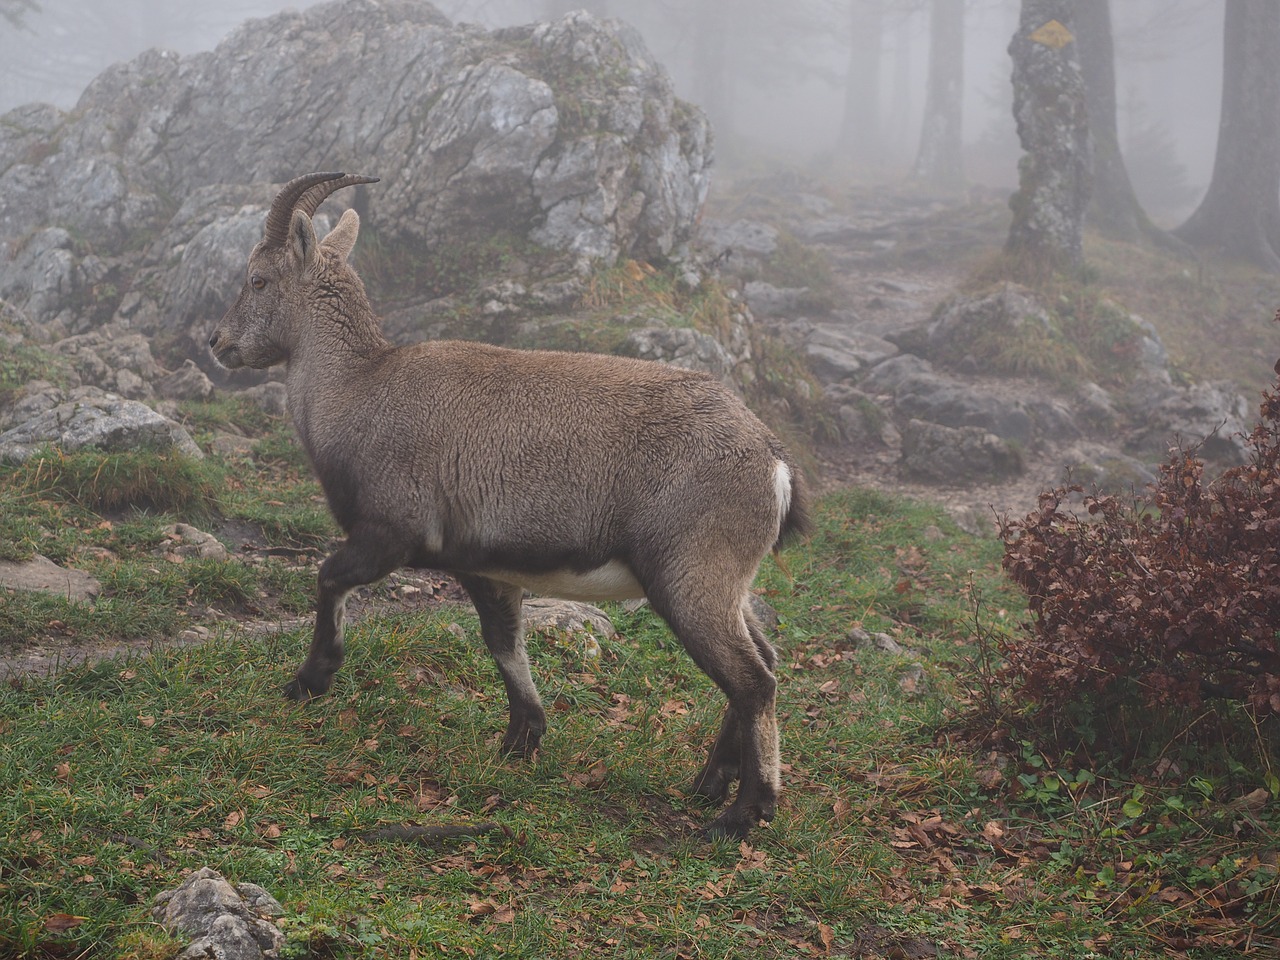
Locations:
column 23, row 362
column 1087, row 337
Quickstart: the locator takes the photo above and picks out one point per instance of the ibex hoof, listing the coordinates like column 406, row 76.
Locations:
column 730, row 825
column 711, row 791
column 736, row 822
column 302, row 690
column 522, row 745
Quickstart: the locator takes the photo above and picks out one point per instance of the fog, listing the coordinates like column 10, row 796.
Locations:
column 778, row 94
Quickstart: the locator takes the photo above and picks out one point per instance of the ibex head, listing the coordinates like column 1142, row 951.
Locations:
column 285, row 269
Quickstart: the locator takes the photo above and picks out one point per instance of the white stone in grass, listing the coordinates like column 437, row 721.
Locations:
column 184, row 541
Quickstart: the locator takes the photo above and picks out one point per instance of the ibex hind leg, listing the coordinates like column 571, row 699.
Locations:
column 364, row 558
column 498, row 606
column 721, row 769
column 712, row 784
column 724, row 644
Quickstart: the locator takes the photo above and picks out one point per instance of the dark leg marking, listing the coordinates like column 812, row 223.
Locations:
column 361, row 559
column 498, row 605
column 730, row 648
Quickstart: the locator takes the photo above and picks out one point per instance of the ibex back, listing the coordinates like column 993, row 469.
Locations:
column 575, row 475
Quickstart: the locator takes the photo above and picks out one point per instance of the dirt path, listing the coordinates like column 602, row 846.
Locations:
column 895, row 256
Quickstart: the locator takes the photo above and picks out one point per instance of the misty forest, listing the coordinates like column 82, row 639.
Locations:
column 665, row 479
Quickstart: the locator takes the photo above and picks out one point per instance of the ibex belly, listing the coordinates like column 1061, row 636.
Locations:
column 610, row 581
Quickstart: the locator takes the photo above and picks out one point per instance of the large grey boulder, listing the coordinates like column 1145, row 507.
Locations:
column 837, row 352
column 1212, row 414
column 543, row 615
column 112, row 358
column 567, row 134
column 738, row 240
column 687, row 348
column 998, row 315
column 956, row 455
column 39, row 271
column 30, row 400
column 922, row 393
column 98, row 421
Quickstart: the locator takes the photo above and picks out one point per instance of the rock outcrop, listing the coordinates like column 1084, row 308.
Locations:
column 564, row 134
column 92, row 419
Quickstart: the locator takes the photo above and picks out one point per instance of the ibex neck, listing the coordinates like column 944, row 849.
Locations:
column 337, row 335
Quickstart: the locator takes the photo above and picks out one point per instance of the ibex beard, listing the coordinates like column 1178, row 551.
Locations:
column 575, row 475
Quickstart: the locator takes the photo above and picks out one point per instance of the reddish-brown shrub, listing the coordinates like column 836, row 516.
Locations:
column 1178, row 593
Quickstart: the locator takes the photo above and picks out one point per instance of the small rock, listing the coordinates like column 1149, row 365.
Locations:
column 764, row 612
column 911, row 680
column 229, row 445
column 271, row 397
column 953, row 455
column 260, row 899
column 188, row 382
column 863, row 640
column 566, row 616
column 185, row 541
column 43, row 575
column 977, row 520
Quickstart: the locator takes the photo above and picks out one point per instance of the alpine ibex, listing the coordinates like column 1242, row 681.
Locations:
column 579, row 476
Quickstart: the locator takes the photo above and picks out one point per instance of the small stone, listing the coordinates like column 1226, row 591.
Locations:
column 184, row 541
column 863, row 640
column 566, row 616
column 188, row 382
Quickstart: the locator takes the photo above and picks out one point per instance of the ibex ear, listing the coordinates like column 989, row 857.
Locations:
column 303, row 245
column 342, row 238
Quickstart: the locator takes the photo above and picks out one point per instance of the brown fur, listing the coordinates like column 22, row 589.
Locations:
column 580, row 473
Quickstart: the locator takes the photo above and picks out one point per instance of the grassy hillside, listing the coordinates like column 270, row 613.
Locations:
column 923, row 813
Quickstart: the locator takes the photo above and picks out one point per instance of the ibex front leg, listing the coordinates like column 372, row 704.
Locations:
column 498, row 606
column 365, row 558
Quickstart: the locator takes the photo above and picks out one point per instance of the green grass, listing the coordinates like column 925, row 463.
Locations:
column 916, row 810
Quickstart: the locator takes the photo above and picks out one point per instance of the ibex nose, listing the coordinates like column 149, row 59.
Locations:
column 213, row 340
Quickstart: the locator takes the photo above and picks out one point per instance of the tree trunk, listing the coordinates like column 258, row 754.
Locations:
column 1049, row 107
column 711, row 30
column 940, row 162
column 1114, row 208
column 860, row 127
column 1240, row 214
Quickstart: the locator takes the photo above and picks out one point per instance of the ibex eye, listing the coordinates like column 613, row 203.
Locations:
column 257, row 282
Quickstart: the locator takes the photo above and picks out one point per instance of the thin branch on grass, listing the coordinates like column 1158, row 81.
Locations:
column 431, row 834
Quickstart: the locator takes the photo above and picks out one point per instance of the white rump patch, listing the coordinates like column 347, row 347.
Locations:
column 782, row 489
column 611, row 581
